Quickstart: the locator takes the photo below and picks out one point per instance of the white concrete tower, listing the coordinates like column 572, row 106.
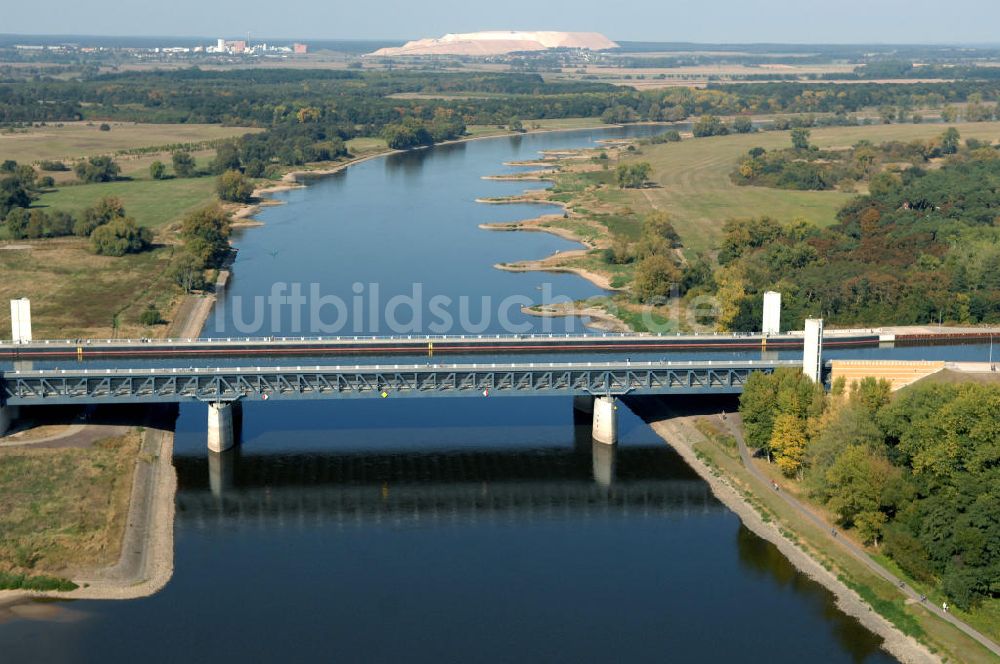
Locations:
column 812, row 353
column 772, row 314
column 605, row 429
column 220, row 426
column 20, row 320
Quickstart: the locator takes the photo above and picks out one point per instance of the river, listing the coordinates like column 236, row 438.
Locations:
column 439, row 530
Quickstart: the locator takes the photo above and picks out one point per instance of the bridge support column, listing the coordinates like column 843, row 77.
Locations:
column 605, row 420
column 221, row 432
column 7, row 416
column 584, row 404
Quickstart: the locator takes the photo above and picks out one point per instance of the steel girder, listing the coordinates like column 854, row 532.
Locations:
column 176, row 385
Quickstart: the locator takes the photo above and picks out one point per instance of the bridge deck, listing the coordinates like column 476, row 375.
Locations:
column 413, row 345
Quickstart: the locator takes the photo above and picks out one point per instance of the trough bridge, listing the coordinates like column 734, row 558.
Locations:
column 595, row 385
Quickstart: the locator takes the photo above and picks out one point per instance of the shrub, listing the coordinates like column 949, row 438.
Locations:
column 52, row 166
column 119, row 237
column 184, row 164
column 157, row 170
column 235, row 187
column 151, row 316
column 106, row 209
column 632, row 176
column 97, row 169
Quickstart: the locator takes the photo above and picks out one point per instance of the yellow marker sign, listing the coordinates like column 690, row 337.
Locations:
column 384, row 394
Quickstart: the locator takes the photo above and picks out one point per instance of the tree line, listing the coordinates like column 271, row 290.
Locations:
column 916, row 474
column 921, row 247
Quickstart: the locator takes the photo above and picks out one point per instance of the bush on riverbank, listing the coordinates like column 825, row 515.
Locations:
column 14, row 581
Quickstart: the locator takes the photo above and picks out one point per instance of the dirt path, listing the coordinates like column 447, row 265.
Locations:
column 681, row 434
column 191, row 317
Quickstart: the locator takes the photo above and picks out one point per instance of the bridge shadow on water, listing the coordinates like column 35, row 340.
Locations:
column 584, row 479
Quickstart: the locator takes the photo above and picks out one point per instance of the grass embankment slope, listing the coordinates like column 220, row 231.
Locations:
column 62, row 510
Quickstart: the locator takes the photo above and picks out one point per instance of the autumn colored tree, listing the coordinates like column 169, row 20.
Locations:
column 788, row 443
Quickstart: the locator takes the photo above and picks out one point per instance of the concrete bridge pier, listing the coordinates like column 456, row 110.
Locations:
column 7, row 416
column 605, row 420
column 224, row 418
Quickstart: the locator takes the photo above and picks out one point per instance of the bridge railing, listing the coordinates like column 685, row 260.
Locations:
column 368, row 339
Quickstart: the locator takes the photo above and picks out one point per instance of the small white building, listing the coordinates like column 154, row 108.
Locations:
column 772, row 314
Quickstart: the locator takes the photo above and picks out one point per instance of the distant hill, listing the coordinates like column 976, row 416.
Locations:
column 499, row 42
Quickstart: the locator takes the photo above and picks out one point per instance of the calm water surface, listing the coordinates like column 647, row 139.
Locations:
column 485, row 530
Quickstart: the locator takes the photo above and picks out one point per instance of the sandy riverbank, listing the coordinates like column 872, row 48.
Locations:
column 679, row 432
column 599, row 319
column 550, row 265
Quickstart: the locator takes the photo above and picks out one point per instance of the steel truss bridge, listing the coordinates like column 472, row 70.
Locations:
column 225, row 384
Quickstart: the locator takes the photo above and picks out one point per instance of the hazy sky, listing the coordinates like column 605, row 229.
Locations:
column 800, row 21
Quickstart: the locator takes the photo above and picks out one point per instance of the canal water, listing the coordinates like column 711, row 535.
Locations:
column 487, row 530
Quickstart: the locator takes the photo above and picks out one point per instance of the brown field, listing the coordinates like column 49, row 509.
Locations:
column 73, row 140
column 54, row 505
column 76, row 293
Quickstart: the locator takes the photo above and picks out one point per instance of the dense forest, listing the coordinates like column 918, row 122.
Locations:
column 923, row 246
column 916, row 475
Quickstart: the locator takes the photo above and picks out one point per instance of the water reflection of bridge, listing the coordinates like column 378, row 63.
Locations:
column 443, row 487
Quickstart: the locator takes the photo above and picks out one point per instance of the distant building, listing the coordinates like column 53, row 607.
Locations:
column 238, row 46
column 300, row 49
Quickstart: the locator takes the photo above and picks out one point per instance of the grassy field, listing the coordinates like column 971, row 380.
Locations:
column 693, row 184
column 73, row 140
column 478, row 131
column 364, row 145
column 54, row 505
column 75, row 293
column 153, row 203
